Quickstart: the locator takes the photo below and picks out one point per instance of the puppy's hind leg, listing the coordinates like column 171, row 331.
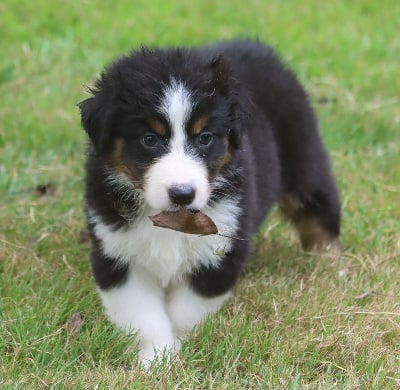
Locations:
column 311, row 202
column 316, row 218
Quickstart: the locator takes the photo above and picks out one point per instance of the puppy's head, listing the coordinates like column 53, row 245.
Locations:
column 166, row 123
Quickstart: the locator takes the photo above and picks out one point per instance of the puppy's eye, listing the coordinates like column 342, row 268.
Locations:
column 205, row 138
column 149, row 140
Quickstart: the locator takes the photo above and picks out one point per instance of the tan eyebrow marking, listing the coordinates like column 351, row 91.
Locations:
column 158, row 127
column 199, row 125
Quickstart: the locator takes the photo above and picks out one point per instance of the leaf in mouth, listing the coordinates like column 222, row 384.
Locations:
column 185, row 221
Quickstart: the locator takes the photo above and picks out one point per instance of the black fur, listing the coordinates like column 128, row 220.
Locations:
column 253, row 101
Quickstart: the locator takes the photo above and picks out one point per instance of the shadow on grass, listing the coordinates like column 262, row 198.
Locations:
column 285, row 257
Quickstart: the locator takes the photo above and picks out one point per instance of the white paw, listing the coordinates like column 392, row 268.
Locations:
column 157, row 351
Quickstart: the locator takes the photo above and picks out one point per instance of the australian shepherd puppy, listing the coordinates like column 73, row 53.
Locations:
column 226, row 130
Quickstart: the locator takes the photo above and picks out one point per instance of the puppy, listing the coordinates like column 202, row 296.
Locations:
column 224, row 129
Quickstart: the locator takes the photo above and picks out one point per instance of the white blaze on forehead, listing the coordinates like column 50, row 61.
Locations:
column 176, row 105
column 179, row 166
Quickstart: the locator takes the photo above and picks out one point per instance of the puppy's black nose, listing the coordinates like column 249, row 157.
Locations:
column 181, row 194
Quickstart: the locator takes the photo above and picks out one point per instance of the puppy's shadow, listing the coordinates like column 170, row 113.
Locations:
column 280, row 255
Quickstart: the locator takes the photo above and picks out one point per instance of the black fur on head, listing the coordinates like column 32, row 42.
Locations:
column 230, row 90
column 134, row 84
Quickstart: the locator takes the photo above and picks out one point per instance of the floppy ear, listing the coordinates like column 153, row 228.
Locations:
column 221, row 73
column 225, row 83
column 95, row 119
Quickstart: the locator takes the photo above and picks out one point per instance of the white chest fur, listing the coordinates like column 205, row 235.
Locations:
column 165, row 254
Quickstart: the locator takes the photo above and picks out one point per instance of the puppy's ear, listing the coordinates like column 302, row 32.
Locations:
column 221, row 73
column 225, row 83
column 95, row 119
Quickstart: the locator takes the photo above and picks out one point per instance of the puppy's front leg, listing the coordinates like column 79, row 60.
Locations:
column 186, row 308
column 205, row 291
column 138, row 305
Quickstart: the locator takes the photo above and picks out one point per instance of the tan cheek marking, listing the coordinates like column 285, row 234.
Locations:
column 158, row 127
column 228, row 153
column 199, row 125
column 224, row 160
column 119, row 163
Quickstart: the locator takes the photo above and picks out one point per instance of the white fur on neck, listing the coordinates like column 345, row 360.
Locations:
column 166, row 254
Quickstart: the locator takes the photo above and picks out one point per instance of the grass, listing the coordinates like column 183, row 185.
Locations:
column 294, row 322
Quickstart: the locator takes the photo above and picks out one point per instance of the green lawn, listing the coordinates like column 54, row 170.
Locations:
column 297, row 320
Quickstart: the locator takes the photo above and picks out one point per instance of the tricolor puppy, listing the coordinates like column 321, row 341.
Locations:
column 226, row 130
